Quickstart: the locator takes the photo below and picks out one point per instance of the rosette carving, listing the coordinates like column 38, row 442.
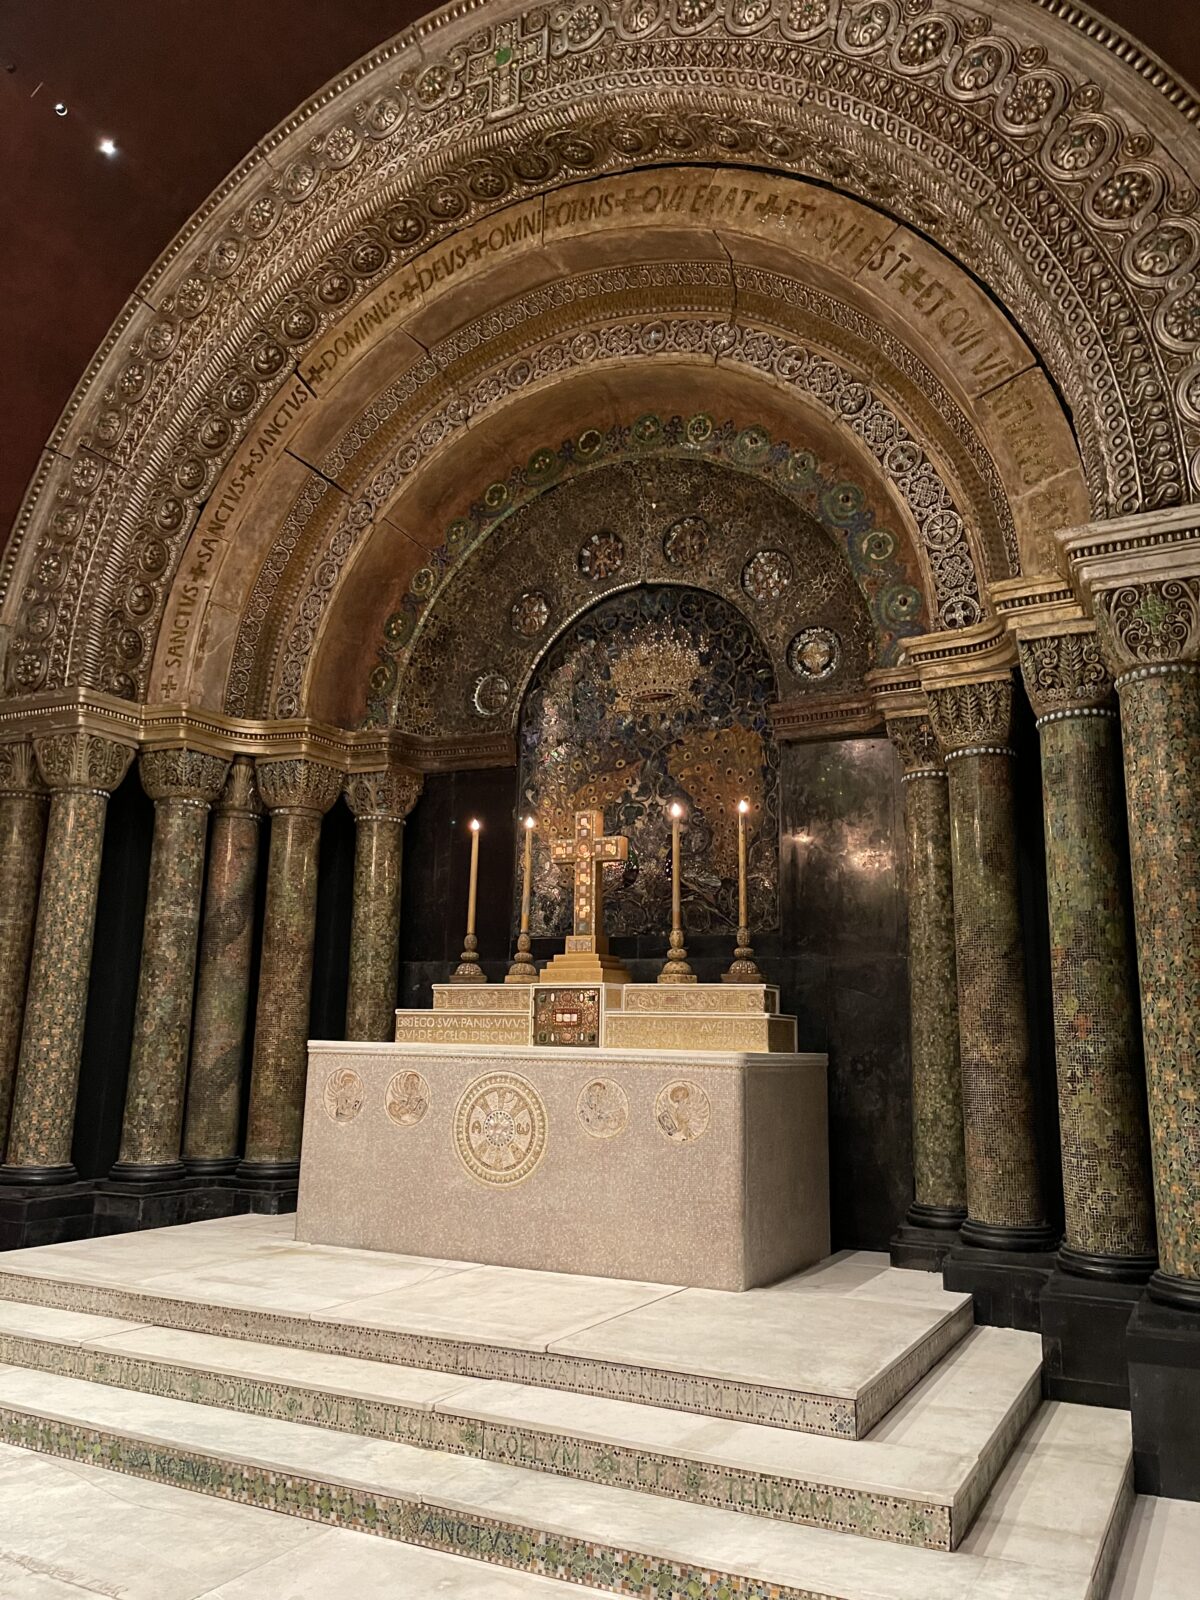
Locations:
column 183, row 775
column 1150, row 624
column 81, row 761
column 916, row 743
column 1065, row 672
column 388, row 793
column 966, row 715
column 298, row 785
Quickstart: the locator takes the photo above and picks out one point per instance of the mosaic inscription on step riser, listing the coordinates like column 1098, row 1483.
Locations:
column 673, row 1391
column 521, row 1547
column 773, row 1496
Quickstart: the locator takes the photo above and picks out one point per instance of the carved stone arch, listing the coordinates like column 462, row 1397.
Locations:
column 1073, row 203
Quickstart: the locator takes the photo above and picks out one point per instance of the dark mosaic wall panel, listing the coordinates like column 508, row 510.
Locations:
column 655, row 694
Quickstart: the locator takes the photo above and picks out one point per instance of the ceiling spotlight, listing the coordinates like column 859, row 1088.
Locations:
column 60, row 109
column 107, row 147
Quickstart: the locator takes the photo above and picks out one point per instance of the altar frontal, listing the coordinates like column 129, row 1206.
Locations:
column 574, row 1121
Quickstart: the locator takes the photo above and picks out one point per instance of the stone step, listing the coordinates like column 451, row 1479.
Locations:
column 1049, row 1530
column 921, row 1484
column 830, row 1351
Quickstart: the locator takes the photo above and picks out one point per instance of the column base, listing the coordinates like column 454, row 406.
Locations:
column 210, row 1166
column 1007, row 1284
column 270, row 1186
column 38, row 1177
column 54, row 1213
column 1163, row 1347
column 999, row 1236
column 926, row 1237
column 1105, row 1268
column 1182, row 1293
column 1083, row 1338
column 147, row 1172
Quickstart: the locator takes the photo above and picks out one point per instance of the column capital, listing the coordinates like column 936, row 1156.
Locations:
column 1140, row 578
column 1064, row 671
column 915, row 742
column 18, row 768
column 82, row 761
column 973, row 717
column 240, row 797
column 390, row 793
column 298, row 785
column 182, row 775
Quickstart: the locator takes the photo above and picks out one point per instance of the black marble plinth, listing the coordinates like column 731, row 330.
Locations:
column 1007, row 1284
column 36, row 1214
column 33, row 1214
column 1083, row 1338
column 1162, row 1344
column 922, row 1246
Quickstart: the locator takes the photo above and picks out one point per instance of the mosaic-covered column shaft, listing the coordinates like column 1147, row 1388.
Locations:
column 380, row 802
column 939, row 1163
column 297, row 794
column 210, row 1138
column 1150, row 632
column 1101, row 1098
column 183, row 784
column 1005, row 1207
column 22, row 831
column 81, row 770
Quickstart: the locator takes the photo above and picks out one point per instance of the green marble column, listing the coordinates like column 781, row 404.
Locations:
column 22, row 831
column 81, row 770
column 183, row 784
column 1005, row 1207
column 297, row 793
column 1101, row 1097
column 939, row 1163
column 210, row 1138
column 380, row 802
column 1150, row 632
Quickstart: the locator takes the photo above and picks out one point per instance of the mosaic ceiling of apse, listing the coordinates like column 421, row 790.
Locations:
column 881, row 560
column 658, row 693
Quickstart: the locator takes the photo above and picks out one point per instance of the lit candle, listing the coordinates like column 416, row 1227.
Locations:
column 676, row 898
column 525, row 883
column 743, row 919
column 474, row 875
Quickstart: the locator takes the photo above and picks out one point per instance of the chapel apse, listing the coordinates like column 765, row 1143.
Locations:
column 659, row 693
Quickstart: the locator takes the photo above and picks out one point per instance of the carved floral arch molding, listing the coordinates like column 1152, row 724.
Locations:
column 1052, row 160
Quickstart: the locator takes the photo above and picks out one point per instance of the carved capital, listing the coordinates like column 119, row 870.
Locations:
column 1156, row 623
column 240, row 795
column 81, row 761
column 390, row 793
column 1065, row 671
column 18, row 769
column 969, row 716
column 298, row 785
column 182, row 775
column 916, row 743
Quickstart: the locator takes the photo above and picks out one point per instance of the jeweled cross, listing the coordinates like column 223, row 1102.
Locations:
column 505, row 66
column 587, row 851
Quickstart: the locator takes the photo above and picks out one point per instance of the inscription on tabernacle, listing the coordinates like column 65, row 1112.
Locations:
column 444, row 1028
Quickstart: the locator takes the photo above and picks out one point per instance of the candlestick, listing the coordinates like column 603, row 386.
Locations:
column 743, row 969
column 675, row 968
column 468, row 969
column 523, row 969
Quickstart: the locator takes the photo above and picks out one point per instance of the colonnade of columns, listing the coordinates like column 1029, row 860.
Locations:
column 184, row 1094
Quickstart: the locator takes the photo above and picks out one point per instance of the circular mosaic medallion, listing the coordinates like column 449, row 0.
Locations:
column 500, row 1128
column 490, row 694
column 767, row 576
column 344, row 1095
column 602, row 556
column 530, row 613
column 603, row 1108
column 814, row 653
column 406, row 1098
column 686, row 540
column 682, row 1111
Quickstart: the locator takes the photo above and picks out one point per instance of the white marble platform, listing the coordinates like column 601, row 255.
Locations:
column 830, row 1351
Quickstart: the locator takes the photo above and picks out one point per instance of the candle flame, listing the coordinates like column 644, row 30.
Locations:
column 676, row 809
column 474, row 824
column 743, row 806
column 531, row 822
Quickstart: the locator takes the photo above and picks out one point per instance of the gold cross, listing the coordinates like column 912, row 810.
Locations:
column 587, row 851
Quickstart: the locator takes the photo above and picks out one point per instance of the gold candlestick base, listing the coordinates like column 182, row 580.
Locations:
column 522, row 969
column 468, row 969
column 675, row 968
column 743, row 969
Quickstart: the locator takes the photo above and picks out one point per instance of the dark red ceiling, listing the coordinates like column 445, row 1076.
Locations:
column 185, row 88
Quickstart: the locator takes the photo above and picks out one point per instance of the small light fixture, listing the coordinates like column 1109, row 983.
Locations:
column 743, row 806
column 60, row 109
column 108, row 147
column 530, row 822
column 676, row 809
column 474, row 825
